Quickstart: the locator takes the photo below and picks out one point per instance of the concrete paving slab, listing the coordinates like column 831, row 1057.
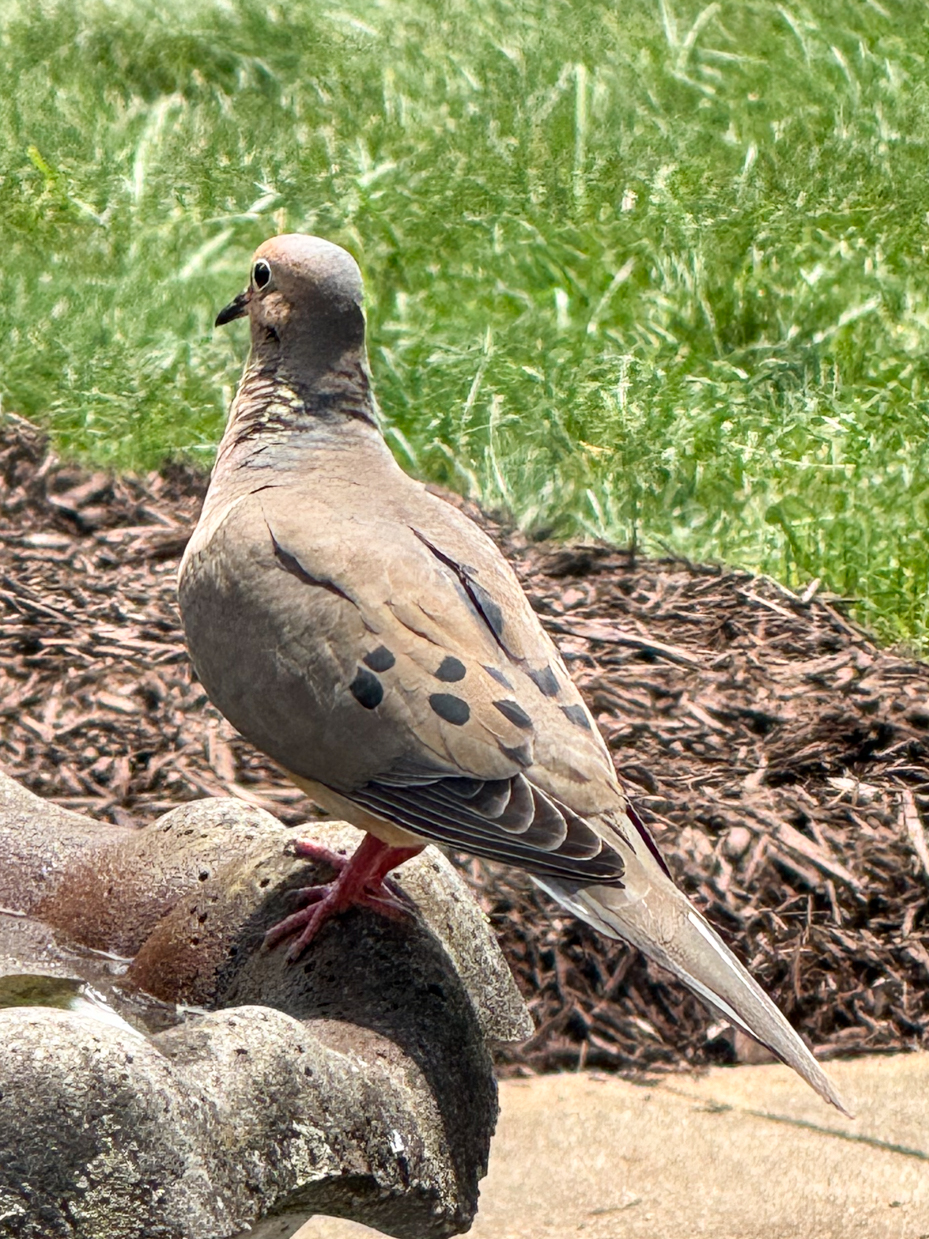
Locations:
column 738, row 1153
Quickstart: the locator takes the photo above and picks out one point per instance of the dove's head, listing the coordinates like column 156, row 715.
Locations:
column 303, row 299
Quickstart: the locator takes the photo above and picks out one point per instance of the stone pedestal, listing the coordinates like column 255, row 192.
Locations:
column 188, row 1083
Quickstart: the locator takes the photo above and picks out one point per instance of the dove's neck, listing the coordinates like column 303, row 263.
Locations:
column 281, row 415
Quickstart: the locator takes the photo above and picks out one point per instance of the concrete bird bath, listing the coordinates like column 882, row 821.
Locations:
column 187, row 1083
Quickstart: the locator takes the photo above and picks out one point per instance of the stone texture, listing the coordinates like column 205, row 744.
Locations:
column 39, row 841
column 357, row 1082
column 115, row 898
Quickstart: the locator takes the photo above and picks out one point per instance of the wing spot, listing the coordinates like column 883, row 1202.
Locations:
column 498, row 676
column 545, row 681
column 450, row 670
column 520, row 753
column 577, row 715
column 492, row 611
column 380, row 659
column 366, row 689
column 489, row 610
column 291, row 564
column 450, row 708
column 514, row 712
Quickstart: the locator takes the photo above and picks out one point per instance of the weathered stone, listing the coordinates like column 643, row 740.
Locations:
column 357, row 1082
column 97, row 1137
column 38, row 841
column 116, row 897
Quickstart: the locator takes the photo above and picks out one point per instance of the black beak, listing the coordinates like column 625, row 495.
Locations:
column 237, row 308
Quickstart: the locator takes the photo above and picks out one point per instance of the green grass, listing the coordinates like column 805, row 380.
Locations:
column 640, row 269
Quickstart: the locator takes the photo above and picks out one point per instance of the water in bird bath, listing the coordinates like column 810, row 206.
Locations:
column 37, row 970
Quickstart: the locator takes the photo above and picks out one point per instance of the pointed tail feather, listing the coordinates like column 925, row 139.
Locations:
column 662, row 923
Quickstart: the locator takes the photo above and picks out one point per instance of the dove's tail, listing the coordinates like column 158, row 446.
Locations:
column 652, row 914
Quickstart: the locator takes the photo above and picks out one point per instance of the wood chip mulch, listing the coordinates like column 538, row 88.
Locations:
column 781, row 758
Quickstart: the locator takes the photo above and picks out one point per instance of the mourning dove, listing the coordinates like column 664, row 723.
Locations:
column 372, row 640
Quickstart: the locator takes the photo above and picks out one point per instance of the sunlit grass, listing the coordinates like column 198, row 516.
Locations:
column 650, row 269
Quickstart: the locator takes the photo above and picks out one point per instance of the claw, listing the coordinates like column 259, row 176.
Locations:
column 359, row 882
column 283, row 929
column 321, row 854
column 311, row 894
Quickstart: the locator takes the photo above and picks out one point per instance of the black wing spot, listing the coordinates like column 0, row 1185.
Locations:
column 366, row 689
column 498, row 676
column 452, row 709
column 577, row 715
column 545, row 681
column 514, row 712
column 291, row 564
column 380, row 659
column 451, row 670
column 491, row 610
column 520, row 753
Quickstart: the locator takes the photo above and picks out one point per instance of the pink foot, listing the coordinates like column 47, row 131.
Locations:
column 359, row 883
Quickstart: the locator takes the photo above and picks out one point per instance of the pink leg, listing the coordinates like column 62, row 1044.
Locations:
column 359, row 883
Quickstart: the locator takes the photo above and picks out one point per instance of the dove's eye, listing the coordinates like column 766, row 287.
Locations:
column 261, row 274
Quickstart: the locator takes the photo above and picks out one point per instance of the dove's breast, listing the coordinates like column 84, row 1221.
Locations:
column 277, row 651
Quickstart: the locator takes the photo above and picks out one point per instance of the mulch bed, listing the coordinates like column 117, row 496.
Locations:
column 781, row 758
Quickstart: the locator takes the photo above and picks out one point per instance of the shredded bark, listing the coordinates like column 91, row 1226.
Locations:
column 780, row 757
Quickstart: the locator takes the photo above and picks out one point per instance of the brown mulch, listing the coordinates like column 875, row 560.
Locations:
column 781, row 758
